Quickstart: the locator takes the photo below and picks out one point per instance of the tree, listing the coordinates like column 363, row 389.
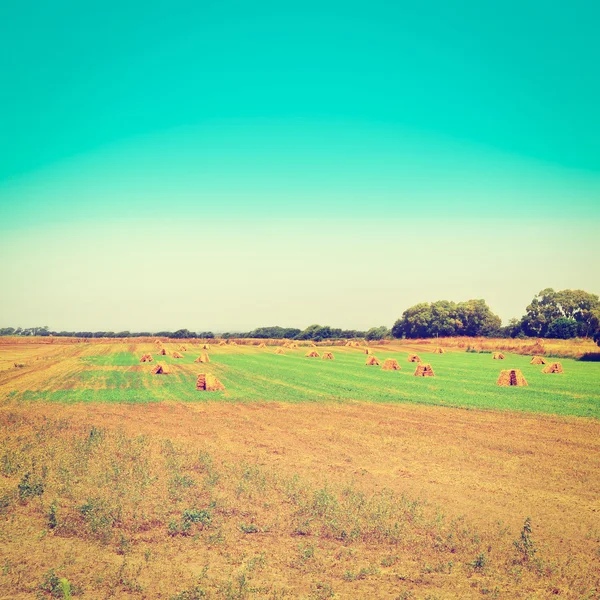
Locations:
column 477, row 319
column 377, row 333
column 562, row 328
column 549, row 305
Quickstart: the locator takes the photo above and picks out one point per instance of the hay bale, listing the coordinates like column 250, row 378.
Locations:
column 554, row 367
column 367, row 351
column 203, row 358
column 439, row 350
column 163, row 352
column 414, row 358
column 280, row 350
column 177, row 355
column 498, row 356
column 222, row 344
column 328, row 356
column 263, row 345
column 391, row 364
column 160, row 369
column 205, row 347
column 424, row 370
column 537, row 360
column 372, row 361
column 208, row 383
column 183, row 348
column 146, row 358
column 312, row 354
column 511, row 377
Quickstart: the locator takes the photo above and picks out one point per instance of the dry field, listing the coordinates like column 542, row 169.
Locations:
column 269, row 499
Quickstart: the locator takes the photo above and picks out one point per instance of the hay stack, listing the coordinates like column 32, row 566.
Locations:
column 203, row 358
column 146, row 358
column 537, row 360
column 222, row 344
column 177, row 355
column 163, row 352
column 263, row 345
column 280, row 350
column 391, row 364
column 183, row 348
column 160, row 369
column 439, row 350
column 205, row 347
column 367, row 351
column 372, row 361
column 554, row 367
column 414, row 358
column 328, row 356
column 312, row 354
column 208, row 383
column 511, row 377
column 498, row 356
column 424, row 370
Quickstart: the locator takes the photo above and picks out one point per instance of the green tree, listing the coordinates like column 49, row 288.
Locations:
column 377, row 333
column 477, row 319
column 562, row 328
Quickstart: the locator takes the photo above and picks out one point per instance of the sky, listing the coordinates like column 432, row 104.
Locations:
column 227, row 165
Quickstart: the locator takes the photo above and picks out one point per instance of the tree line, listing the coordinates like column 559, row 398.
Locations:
column 564, row 314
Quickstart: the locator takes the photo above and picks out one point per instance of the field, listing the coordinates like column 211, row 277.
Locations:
column 306, row 478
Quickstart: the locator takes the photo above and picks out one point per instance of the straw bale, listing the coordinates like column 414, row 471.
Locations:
column 367, row 351
column 413, row 358
column 328, row 356
column 160, row 369
column 439, row 350
column 205, row 347
column 177, row 355
column 203, row 358
column 537, row 360
column 208, row 383
column 424, row 370
column 280, row 350
column 554, row 367
column 263, row 345
column 372, row 361
column 146, row 358
column 312, row 354
column 183, row 348
column 391, row 364
column 498, row 356
column 511, row 377
column 163, row 352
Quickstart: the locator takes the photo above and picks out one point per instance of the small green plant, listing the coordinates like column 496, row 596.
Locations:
column 52, row 521
column 480, row 562
column 30, row 486
column 250, row 528
column 53, row 586
column 525, row 545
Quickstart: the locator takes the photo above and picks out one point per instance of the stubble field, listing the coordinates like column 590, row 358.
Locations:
column 304, row 479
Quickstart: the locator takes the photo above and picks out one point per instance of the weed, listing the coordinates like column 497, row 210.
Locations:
column 30, row 486
column 525, row 545
column 250, row 528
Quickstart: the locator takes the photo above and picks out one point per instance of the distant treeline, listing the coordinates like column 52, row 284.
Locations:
column 564, row 314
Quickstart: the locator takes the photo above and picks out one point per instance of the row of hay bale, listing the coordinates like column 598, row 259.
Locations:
column 510, row 377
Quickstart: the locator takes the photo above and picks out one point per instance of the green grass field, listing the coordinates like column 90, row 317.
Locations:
column 465, row 380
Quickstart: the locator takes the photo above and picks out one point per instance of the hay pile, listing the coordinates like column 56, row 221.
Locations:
column 263, row 345
column 537, row 360
column 439, row 350
column 424, row 370
column 146, row 358
column 205, row 347
column 208, row 383
column 312, row 354
column 177, row 355
column 511, row 377
column 222, row 344
column 391, row 364
column 555, row 367
column 160, row 369
column 414, row 358
column 328, row 356
column 280, row 351
column 367, row 351
column 183, row 348
column 372, row 361
column 498, row 356
column 203, row 358
column 163, row 352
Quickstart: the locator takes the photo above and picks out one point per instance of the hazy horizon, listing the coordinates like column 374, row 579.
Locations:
column 225, row 166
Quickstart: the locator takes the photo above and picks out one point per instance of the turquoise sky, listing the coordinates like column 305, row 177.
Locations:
column 383, row 128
